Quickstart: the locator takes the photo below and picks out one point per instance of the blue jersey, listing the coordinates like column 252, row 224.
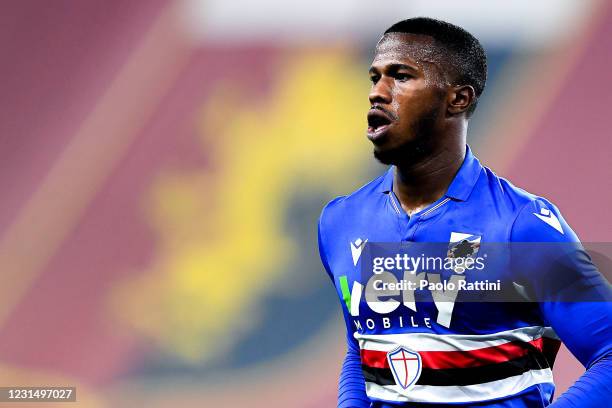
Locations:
column 405, row 353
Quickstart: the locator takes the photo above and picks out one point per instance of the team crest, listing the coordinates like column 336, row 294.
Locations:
column 463, row 245
column 406, row 366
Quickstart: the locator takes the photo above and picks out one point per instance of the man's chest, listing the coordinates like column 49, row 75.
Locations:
column 447, row 269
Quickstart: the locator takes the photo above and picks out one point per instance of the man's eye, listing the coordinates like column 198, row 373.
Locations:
column 402, row 77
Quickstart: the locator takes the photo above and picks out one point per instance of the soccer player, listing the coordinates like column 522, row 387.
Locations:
column 427, row 76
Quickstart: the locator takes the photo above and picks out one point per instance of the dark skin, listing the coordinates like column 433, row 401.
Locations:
column 418, row 120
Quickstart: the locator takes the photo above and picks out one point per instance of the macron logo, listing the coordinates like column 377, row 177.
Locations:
column 551, row 219
column 356, row 248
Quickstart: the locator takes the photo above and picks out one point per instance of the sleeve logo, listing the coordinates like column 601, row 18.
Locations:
column 550, row 218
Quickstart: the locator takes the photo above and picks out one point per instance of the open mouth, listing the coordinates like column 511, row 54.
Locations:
column 378, row 123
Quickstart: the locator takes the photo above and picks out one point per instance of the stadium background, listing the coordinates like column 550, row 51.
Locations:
column 164, row 164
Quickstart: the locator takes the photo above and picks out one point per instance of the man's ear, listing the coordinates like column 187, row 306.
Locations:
column 460, row 98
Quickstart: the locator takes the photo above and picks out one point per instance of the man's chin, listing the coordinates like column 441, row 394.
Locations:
column 409, row 152
column 387, row 156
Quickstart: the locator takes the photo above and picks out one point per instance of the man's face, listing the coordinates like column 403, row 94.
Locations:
column 408, row 96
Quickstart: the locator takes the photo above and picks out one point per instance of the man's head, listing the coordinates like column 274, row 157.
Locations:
column 426, row 77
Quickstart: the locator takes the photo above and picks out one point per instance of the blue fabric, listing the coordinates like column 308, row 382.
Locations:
column 483, row 205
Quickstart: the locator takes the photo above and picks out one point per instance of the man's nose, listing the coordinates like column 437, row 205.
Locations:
column 380, row 92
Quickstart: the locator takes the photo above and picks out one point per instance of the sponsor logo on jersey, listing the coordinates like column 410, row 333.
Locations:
column 357, row 248
column 550, row 218
column 444, row 292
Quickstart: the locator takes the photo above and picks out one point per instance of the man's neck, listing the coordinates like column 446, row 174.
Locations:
column 421, row 183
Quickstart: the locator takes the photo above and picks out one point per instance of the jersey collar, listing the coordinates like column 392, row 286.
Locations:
column 462, row 185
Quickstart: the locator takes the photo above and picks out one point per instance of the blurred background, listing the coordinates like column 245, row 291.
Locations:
column 164, row 164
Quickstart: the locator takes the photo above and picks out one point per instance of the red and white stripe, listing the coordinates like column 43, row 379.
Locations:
column 451, row 342
column 441, row 351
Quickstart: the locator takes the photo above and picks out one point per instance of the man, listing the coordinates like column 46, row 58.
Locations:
column 427, row 76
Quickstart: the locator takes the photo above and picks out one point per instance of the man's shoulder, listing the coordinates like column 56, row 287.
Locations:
column 514, row 196
column 508, row 190
column 358, row 201
column 532, row 216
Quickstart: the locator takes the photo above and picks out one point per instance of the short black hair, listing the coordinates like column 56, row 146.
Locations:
column 466, row 56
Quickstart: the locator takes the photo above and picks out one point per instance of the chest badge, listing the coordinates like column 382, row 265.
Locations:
column 405, row 365
column 463, row 245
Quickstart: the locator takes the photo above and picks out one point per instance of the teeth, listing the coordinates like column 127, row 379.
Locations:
column 375, row 131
